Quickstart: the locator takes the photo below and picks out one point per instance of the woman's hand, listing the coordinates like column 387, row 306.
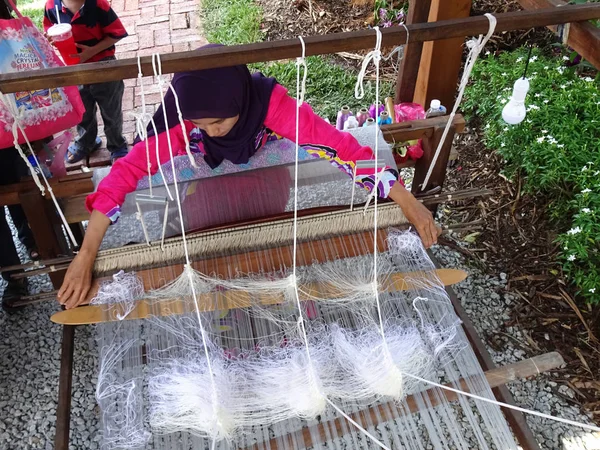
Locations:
column 77, row 282
column 417, row 214
column 78, row 278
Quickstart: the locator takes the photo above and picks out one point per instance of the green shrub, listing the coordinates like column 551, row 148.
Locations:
column 556, row 149
column 329, row 86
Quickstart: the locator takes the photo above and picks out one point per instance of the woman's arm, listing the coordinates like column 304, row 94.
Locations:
column 314, row 130
column 105, row 205
column 78, row 278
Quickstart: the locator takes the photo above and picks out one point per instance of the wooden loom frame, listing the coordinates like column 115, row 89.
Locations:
column 269, row 51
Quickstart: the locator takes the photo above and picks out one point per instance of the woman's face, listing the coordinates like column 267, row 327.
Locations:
column 216, row 127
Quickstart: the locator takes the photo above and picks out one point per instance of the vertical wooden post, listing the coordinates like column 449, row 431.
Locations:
column 422, row 165
column 418, row 12
column 46, row 229
column 441, row 60
column 63, row 410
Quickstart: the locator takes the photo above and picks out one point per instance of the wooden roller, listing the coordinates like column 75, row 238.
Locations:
column 223, row 300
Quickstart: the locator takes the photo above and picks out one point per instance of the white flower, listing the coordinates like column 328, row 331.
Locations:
column 563, row 86
column 544, row 131
column 574, row 231
column 534, row 58
column 504, row 74
column 597, row 172
column 586, row 191
column 566, row 248
column 537, row 95
column 487, row 53
column 571, row 258
column 519, row 59
column 561, row 70
column 534, row 107
column 560, row 145
column 502, row 144
column 588, row 79
column 565, row 58
column 546, row 101
column 503, row 101
column 593, row 290
column 546, row 67
column 505, row 128
column 586, row 210
column 540, row 139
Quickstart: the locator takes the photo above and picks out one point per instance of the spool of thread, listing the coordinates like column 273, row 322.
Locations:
column 389, row 107
column 384, row 118
column 370, row 121
column 362, row 116
column 342, row 116
column 351, row 123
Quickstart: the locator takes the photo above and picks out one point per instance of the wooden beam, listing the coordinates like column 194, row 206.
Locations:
column 441, row 60
column 46, row 229
column 583, row 37
column 285, row 49
column 418, row 12
column 63, row 410
column 419, row 129
column 495, row 377
column 62, row 187
column 438, row 175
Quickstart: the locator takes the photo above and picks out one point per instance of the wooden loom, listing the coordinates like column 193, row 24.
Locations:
column 92, row 73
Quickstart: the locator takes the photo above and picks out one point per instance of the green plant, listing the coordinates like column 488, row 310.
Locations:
column 34, row 9
column 389, row 12
column 556, row 149
column 328, row 86
column 231, row 21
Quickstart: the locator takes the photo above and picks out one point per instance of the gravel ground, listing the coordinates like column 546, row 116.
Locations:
column 30, row 354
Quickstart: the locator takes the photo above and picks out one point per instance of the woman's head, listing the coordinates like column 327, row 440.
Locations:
column 216, row 127
column 214, row 99
column 228, row 104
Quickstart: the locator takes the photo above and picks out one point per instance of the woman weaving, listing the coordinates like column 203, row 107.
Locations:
column 228, row 114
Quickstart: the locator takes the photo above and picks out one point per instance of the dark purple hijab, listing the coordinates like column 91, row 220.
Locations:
column 220, row 94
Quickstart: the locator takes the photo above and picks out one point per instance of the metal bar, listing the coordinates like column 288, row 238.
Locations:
column 63, row 411
column 286, row 49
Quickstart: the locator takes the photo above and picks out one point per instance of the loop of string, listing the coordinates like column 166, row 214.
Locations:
column 375, row 56
column 162, row 82
column 399, row 50
column 16, row 127
column 301, row 62
column 141, row 122
column 475, row 47
column 300, row 91
column 156, row 65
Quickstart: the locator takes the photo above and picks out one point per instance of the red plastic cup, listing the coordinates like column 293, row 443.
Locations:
column 62, row 38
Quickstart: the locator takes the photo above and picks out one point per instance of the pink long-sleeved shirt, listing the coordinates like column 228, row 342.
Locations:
column 317, row 136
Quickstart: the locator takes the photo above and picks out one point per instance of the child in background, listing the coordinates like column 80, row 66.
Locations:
column 96, row 29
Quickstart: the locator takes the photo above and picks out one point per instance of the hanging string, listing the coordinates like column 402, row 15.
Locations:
column 505, row 405
column 16, row 127
column 141, row 121
column 300, row 92
column 475, row 46
column 157, row 67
